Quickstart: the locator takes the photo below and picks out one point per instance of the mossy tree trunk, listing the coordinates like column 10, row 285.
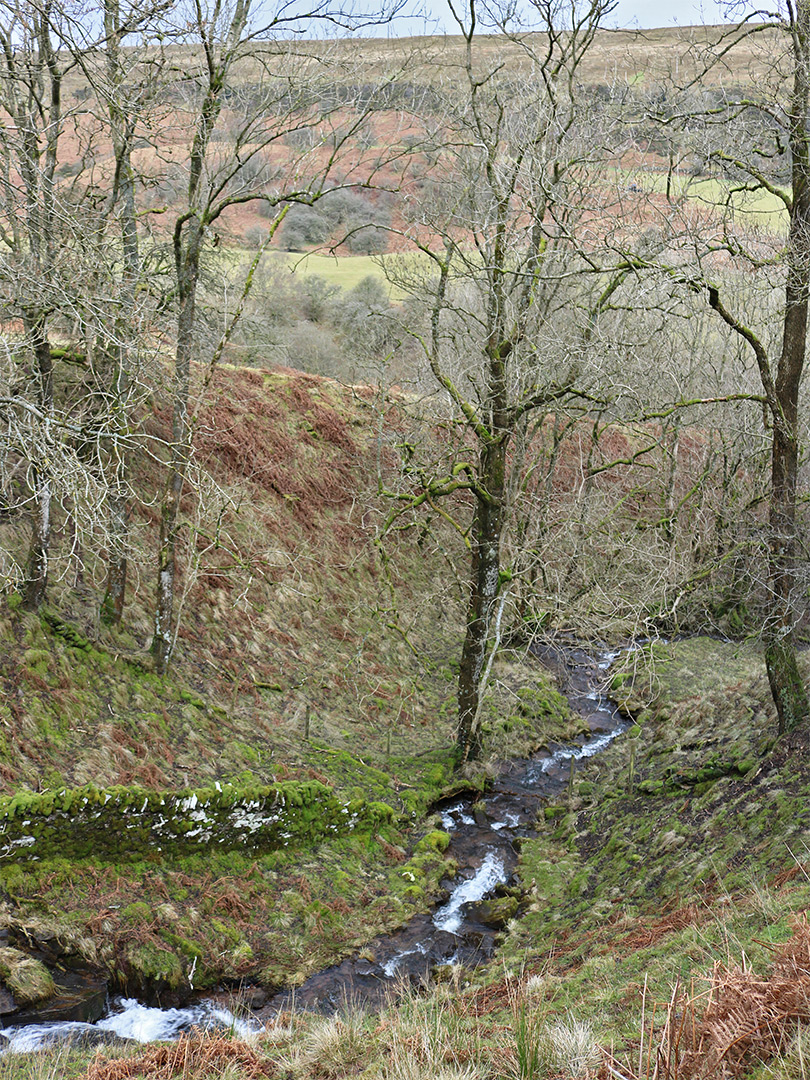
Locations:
column 782, row 386
column 124, row 109
column 787, row 686
column 179, row 452
column 516, row 167
column 485, row 581
column 36, row 570
column 189, row 233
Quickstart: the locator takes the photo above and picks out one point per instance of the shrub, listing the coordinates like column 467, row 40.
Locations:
column 255, row 236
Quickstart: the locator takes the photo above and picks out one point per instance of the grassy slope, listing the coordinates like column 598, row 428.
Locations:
column 682, row 849
column 665, row 911
column 672, row 855
column 299, row 657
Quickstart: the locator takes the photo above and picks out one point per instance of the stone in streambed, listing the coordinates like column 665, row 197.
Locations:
column 28, row 980
column 497, row 912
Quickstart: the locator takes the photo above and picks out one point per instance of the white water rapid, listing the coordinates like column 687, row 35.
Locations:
column 130, row 1020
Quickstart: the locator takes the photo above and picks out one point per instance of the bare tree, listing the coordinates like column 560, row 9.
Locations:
column 505, row 201
column 758, row 142
column 127, row 101
column 251, row 74
column 34, row 230
column 81, row 232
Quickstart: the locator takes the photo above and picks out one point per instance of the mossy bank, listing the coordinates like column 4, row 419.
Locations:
column 682, row 845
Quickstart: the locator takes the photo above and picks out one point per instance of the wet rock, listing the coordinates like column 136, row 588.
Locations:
column 77, row 998
column 41, row 937
column 80, row 1036
column 99, row 1037
column 443, row 945
column 497, row 912
column 254, row 997
column 479, row 941
column 27, row 979
column 7, row 1003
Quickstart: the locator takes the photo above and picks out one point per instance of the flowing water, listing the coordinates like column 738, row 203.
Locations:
column 128, row 1020
column 485, row 841
column 485, row 833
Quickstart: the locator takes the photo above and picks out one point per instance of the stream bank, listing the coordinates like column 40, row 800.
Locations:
column 481, row 836
column 485, row 837
column 619, row 913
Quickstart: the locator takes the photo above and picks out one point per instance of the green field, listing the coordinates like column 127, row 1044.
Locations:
column 343, row 270
column 749, row 208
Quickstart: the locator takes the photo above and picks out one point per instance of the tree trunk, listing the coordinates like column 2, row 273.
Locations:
column 485, row 583
column 122, row 126
column 36, row 572
column 787, row 687
column 112, row 606
column 163, row 640
column 180, row 453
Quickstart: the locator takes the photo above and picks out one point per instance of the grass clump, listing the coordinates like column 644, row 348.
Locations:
column 27, row 979
column 336, row 1046
column 194, row 1057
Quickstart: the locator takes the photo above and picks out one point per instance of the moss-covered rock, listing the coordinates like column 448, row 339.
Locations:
column 125, row 823
column 28, row 980
column 497, row 912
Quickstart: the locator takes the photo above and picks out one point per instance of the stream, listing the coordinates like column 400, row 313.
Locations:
column 486, row 833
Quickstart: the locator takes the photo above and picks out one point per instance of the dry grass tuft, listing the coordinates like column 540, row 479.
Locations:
column 569, row 1047
column 739, row 1021
column 194, row 1057
column 336, row 1046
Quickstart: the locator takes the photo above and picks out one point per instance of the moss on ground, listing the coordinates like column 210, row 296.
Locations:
column 679, row 845
column 682, row 846
column 273, row 917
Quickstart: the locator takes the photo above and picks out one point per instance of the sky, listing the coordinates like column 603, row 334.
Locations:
column 652, row 13
column 629, row 14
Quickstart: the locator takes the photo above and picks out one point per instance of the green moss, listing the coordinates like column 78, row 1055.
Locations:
column 242, row 954
column 64, row 630
column 150, row 961
column 38, row 660
column 138, row 913
column 413, row 894
column 28, row 980
column 434, row 841
column 191, row 699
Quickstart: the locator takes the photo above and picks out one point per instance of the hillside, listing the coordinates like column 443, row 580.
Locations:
column 323, row 679
column 403, row 592
column 308, row 671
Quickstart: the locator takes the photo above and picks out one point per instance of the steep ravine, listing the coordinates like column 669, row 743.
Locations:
column 484, row 841
column 485, row 837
